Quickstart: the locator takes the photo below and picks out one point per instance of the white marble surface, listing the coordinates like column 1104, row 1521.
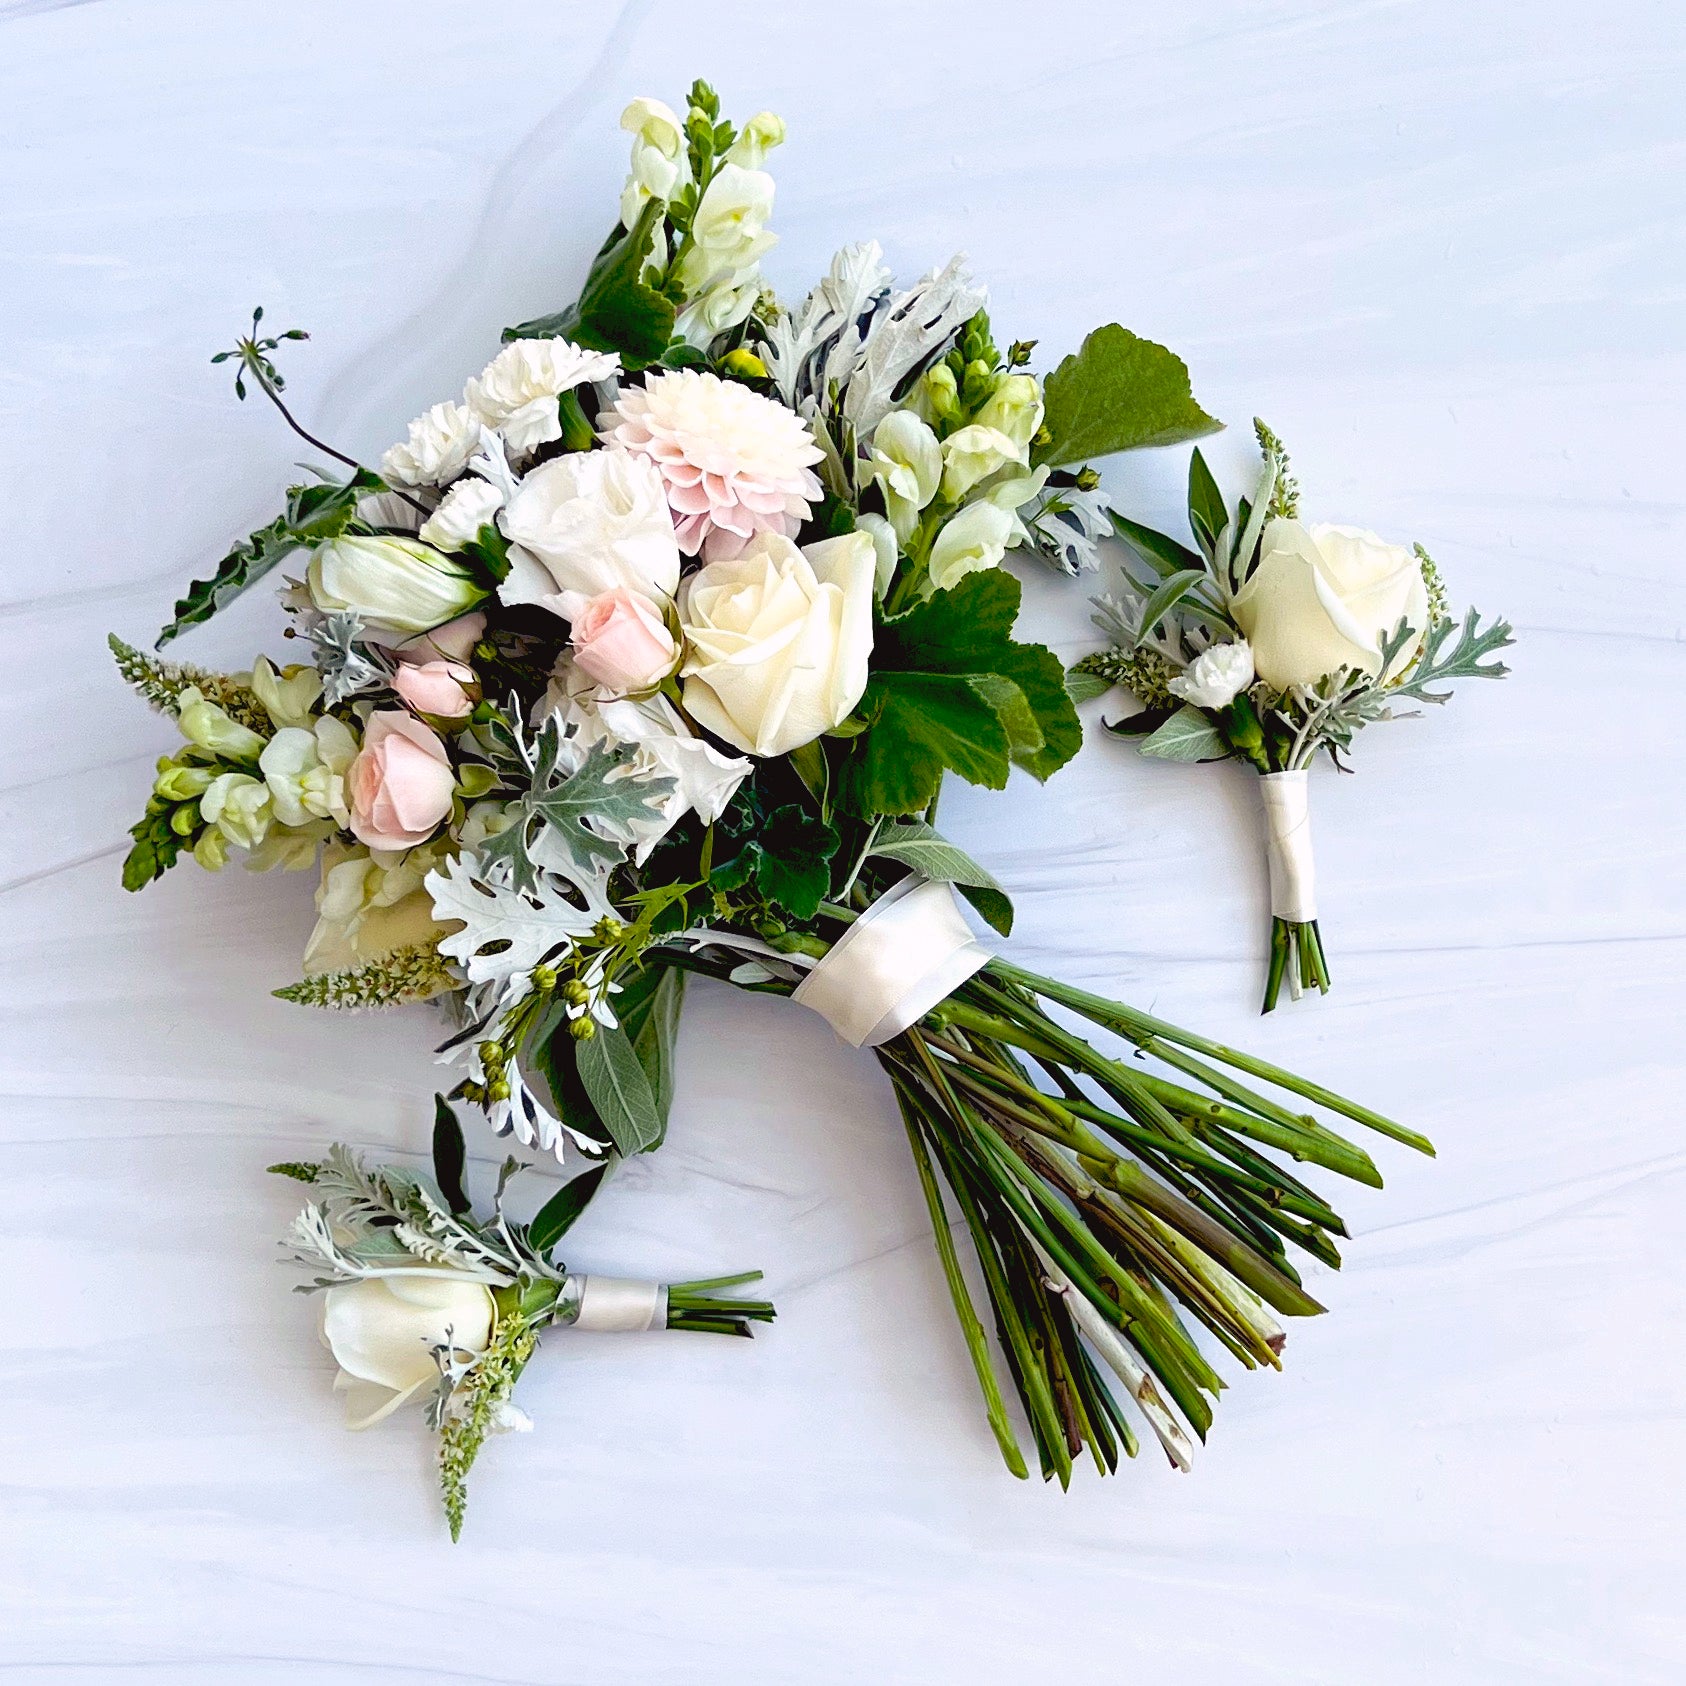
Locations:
column 1440, row 246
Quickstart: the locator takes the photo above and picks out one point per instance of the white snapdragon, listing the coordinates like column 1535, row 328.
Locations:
column 289, row 695
column 907, row 462
column 1216, row 677
column 973, row 454
column 974, row 539
column 1014, row 409
column 213, row 728
column 238, row 806
column 305, row 769
column 756, row 139
column 437, row 449
column 886, row 551
column 660, row 167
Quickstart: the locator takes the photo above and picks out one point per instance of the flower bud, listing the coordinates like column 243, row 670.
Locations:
column 396, row 585
column 212, row 728
column 582, row 1030
column 756, row 139
column 178, row 783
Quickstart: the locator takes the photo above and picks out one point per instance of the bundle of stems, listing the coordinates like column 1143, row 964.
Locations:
column 1111, row 1204
column 1296, row 955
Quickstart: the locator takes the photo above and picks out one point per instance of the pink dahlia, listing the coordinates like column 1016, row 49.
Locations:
column 733, row 463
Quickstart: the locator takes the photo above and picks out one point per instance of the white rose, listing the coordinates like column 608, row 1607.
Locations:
column 588, row 522
column 438, row 448
column 305, row 771
column 779, row 640
column 382, row 1332
column 468, row 506
column 1216, row 677
column 397, row 586
column 907, row 462
column 1321, row 598
column 973, row 454
column 517, row 391
column 975, row 539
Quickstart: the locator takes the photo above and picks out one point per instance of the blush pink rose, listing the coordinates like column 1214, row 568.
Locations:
column 442, row 689
column 622, row 642
column 453, row 642
column 401, row 782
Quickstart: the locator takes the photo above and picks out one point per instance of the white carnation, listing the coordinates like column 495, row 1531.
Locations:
column 437, row 450
column 1216, row 677
column 517, row 391
column 468, row 506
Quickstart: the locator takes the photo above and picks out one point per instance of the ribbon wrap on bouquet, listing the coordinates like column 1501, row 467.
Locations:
column 1293, row 871
column 911, row 949
column 612, row 1304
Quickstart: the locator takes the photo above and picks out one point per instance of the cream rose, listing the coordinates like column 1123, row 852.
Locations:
column 589, row 522
column 779, row 640
column 1321, row 598
column 383, row 1331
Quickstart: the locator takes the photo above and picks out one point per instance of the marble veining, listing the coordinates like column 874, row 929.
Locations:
column 1439, row 247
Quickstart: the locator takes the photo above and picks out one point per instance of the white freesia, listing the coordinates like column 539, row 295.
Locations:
column 974, row 539
column 704, row 780
column 973, row 454
column 659, row 164
column 468, row 506
column 756, row 139
column 1323, row 597
column 383, row 1332
column 517, row 392
column 397, row 586
column 305, row 771
column 1216, row 677
column 439, row 445
column 907, row 462
column 779, row 640
column 588, row 522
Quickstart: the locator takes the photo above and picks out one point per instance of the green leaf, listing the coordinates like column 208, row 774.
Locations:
column 619, row 1090
column 1167, row 596
column 449, row 1155
column 616, row 311
column 652, row 1022
column 1140, row 724
column 794, row 868
column 1118, row 393
column 912, row 843
column 1188, row 735
column 314, row 514
column 1161, row 552
column 1206, row 512
column 556, row 1216
column 951, row 691
column 1084, row 684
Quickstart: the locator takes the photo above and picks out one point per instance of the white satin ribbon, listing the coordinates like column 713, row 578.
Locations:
column 911, row 949
column 1293, row 871
column 616, row 1304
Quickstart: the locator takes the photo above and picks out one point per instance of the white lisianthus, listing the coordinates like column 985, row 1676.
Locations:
column 973, row 454
column 974, row 539
column 756, row 139
column 289, row 696
column 369, row 903
column 588, row 522
column 383, row 1332
column 660, row 167
column 437, row 449
column 517, row 392
column 1323, row 597
column 467, row 507
column 1216, row 677
column 397, row 586
column 1015, row 409
column 305, row 771
column 780, row 640
column 239, row 808
column 886, row 551
column 907, row 462
column 213, row 728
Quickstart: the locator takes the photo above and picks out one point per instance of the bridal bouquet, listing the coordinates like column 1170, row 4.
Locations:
column 419, row 1298
column 1270, row 642
column 648, row 657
